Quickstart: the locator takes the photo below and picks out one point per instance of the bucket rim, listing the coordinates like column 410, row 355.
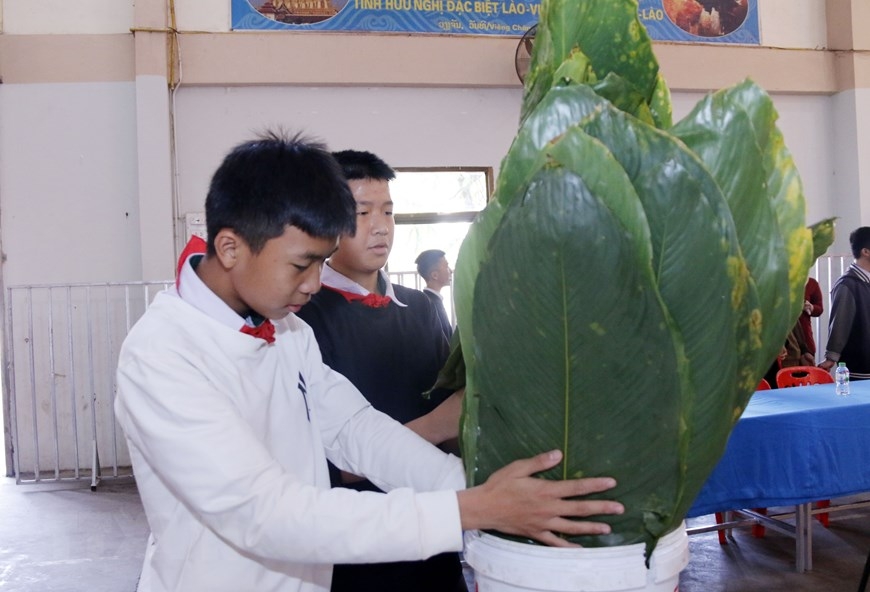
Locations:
column 667, row 540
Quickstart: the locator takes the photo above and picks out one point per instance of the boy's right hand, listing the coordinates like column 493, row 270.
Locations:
column 515, row 502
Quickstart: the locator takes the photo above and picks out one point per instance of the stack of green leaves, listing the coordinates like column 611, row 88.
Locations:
column 631, row 280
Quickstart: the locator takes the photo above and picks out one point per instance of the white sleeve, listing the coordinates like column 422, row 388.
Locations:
column 206, row 455
column 391, row 456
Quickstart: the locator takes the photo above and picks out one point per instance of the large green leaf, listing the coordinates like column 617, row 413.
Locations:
column 561, row 108
column 630, row 281
column 733, row 132
column 675, row 219
column 691, row 229
column 560, row 341
column 660, row 104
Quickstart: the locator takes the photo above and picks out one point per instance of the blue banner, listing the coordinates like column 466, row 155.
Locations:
column 693, row 21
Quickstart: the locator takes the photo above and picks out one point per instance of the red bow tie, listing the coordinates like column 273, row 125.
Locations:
column 372, row 299
column 265, row 330
column 197, row 246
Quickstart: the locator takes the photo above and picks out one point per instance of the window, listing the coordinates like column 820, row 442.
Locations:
column 433, row 209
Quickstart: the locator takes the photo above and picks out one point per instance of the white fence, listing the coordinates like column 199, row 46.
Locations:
column 62, row 344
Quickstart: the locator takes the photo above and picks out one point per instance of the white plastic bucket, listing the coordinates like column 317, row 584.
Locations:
column 501, row 565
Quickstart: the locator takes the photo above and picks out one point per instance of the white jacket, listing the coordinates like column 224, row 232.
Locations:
column 229, row 438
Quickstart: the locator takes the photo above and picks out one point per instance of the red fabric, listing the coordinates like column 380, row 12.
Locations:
column 371, row 299
column 197, row 246
column 265, row 330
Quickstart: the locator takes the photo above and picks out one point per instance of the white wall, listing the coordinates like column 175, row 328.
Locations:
column 430, row 127
column 807, row 124
column 68, row 159
column 405, row 126
column 792, row 23
column 25, row 17
column 460, row 127
column 68, row 183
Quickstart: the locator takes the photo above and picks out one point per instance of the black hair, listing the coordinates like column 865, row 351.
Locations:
column 264, row 185
column 859, row 239
column 427, row 260
column 358, row 164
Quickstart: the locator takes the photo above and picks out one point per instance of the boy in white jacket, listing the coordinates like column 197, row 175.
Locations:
column 230, row 413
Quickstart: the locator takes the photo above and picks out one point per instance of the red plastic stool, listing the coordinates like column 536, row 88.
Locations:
column 824, row 517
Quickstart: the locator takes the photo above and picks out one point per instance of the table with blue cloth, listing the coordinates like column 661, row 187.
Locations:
column 793, row 446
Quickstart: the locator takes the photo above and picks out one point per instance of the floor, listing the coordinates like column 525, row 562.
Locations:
column 66, row 538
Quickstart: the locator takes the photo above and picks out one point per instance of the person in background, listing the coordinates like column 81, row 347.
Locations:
column 433, row 268
column 813, row 307
column 849, row 325
column 387, row 340
column 794, row 352
column 800, row 346
column 230, row 414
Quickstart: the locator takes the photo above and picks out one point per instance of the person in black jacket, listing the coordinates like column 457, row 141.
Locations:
column 433, row 268
column 388, row 341
column 849, row 325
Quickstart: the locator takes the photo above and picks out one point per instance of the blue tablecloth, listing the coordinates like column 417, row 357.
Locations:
column 793, row 446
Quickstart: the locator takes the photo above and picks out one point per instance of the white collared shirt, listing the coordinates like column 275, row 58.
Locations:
column 336, row 280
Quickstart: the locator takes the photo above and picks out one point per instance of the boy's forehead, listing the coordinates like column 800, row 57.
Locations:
column 370, row 190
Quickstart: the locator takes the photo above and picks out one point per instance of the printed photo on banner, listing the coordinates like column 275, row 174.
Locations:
column 701, row 21
column 691, row 21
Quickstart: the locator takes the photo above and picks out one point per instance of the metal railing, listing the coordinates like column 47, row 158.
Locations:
column 61, row 351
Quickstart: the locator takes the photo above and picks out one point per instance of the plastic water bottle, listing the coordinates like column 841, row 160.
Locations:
column 841, row 376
